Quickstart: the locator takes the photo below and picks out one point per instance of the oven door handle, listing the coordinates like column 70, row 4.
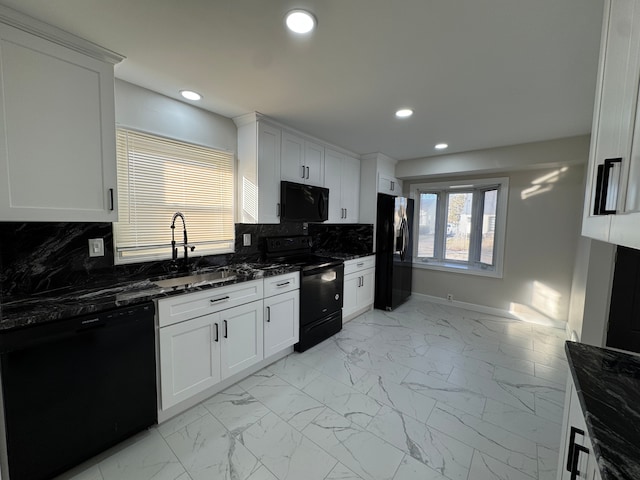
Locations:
column 316, row 271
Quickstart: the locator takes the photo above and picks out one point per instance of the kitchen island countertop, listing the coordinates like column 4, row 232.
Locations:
column 608, row 383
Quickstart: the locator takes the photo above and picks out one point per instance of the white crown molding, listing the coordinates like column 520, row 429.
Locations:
column 379, row 156
column 251, row 117
column 31, row 25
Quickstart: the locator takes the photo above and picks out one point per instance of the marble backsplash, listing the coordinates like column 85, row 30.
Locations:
column 43, row 256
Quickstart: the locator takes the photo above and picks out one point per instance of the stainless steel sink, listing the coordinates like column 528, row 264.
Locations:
column 196, row 279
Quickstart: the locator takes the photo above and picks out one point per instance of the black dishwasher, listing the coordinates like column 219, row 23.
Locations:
column 74, row 387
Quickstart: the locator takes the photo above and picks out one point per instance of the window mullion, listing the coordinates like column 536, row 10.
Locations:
column 441, row 224
column 476, row 227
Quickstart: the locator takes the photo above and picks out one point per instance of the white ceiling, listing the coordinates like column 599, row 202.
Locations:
column 478, row 73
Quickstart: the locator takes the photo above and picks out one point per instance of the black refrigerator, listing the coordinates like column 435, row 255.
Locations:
column 394, row 251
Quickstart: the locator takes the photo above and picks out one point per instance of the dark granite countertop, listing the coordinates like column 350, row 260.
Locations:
column 344, row 256
column 55, row 305
column 608, row 384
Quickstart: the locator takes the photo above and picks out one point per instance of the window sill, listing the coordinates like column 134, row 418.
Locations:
column 458, row 268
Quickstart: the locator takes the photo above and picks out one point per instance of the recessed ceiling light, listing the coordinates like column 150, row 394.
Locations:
column 190, row 95
column 300, row 21
column 404, row 113
column 441, row 146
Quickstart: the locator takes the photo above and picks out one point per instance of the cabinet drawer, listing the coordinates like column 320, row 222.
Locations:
column 190, row 305
column 281, row 284
column 359, row 264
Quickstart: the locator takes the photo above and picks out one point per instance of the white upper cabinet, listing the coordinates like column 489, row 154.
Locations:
column 314, row 163
column 269, row 152
column 259, row 146
column 302, row 161
column 612, row 200
column 389, row 185
column 342, row 178
column 57, row 125
column 292, row 160
column 351, row 189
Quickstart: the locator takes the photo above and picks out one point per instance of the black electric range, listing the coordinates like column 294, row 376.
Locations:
column 321, row 287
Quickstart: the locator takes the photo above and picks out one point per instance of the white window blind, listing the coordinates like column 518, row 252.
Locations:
column 158, row 177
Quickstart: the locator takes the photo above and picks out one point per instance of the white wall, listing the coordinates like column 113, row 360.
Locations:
column 543, row 224
column 151, row 112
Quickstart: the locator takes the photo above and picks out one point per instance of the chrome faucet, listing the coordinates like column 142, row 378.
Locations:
column 187, row 247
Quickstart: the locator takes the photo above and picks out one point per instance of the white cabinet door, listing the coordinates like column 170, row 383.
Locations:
column 301, row 161
column 242, row 338
column 281, row 322
column 614, row 113
column 268, row 187
column 333, row 181
column 366, row 290
column 314, row 164
column 342, row 178
column 351, row 189
column 350, row 294
column 57, row 132
column 292, row 159
column 577, row 453
column 389, row 185
column 189, row 358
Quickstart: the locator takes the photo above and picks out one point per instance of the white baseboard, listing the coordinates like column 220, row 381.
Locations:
column 538, row 318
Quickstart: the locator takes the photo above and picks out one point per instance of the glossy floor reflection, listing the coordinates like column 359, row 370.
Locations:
column 425, row 392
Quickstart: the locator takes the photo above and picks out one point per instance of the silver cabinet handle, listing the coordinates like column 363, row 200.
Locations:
column 111, row 204
column 277, row 209
column 282, row 284
column 221, row 299
column 302, row 172
column 268, row 314
column 217, row 333
column 360, row 264
column 226, row 329
column 346, row 213
column 307, row 173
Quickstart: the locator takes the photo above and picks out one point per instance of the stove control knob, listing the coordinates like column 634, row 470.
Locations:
column 337, row 297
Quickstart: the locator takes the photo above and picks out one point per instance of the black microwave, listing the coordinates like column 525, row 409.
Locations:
column 303, row 203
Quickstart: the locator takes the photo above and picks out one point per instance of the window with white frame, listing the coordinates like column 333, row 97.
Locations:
column 158, row 177
column 460, row 225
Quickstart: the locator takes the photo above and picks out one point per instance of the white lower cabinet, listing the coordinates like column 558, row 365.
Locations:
column 576, row 460
column 282, row 322
column 281, row 312
column 206, row 337
column 198, row 353
column 359, row 283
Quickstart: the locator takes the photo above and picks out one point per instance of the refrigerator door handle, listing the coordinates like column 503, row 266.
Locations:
column 405, row 238
column 404, row 232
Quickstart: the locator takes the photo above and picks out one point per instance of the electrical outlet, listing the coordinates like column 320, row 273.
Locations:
column 246, row 239
column 450, row 297
column 96, row 247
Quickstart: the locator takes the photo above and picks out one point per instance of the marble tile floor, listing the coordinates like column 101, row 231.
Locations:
column 427, row 392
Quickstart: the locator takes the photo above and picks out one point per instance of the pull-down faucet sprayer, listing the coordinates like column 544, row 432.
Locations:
column 174, row 249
